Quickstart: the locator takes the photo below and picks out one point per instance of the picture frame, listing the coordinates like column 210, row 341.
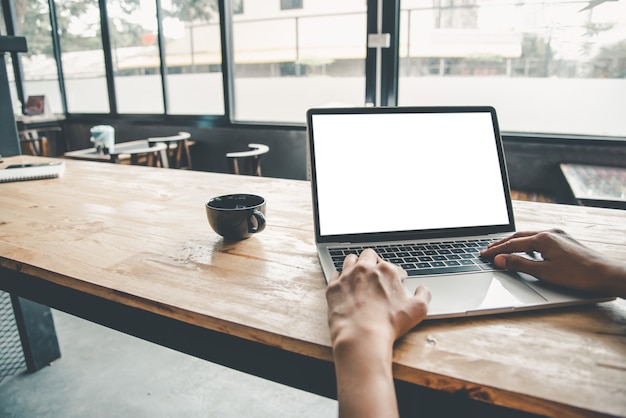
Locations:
column 36, row 105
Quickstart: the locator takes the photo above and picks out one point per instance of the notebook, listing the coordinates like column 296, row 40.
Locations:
column 427, row 188
column 33, row 171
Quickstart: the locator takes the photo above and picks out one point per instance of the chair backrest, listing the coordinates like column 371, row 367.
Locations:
column 251, row 160
column 178, row 147
column 180, row 137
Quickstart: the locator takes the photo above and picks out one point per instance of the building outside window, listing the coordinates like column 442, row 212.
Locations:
column 135, row 55
column 3, row 25
column 286, row 64
column 237, row 6
column 193, row 58
column 547, row 66
column 290, row 4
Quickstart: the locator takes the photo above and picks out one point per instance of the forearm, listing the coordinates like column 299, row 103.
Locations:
column 364, row 379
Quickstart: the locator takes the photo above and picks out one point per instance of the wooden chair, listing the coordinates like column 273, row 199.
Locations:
column 36, row 141
column 177, row 148
column 251, row 160
column 153, row 155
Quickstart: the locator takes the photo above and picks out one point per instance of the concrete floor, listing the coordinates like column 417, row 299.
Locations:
column 105, row 373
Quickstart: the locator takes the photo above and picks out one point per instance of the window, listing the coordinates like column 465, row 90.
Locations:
column 193, row 58
column 39, row 66
column 290, row 4
column 285, row 65
column 3, row 25
column 82, row 56
column 136, row 62
column 548, row 66
column 552, row 66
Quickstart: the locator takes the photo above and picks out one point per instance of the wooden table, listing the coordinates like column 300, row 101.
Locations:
column 594, row 185
column 126, row 153
column 130, row 247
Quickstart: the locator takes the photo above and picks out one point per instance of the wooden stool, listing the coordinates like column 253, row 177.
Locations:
column 251, row 160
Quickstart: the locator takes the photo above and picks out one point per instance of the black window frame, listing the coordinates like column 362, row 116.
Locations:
column 389, row 68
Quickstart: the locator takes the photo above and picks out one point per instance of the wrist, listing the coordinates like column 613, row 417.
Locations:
column 348, row 337
column 612, row 278
column 362, row 345
column 616, row 279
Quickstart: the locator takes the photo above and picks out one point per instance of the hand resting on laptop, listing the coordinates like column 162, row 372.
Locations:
column 565, row 261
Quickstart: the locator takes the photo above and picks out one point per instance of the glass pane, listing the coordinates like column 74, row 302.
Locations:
column 193, row 57
column 3, row 26
column 136, row 62
column 287, row 61
column 82, row 57
column 547, row 66
column 38, row 64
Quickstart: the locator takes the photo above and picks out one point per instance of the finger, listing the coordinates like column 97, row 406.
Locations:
column 369, row 256
column 403, row 274
column 349, row 261
column 526, row 244
column 392, row 271
column 423, row 293
column 418, row 306
column 516, row 263
column 521, row 234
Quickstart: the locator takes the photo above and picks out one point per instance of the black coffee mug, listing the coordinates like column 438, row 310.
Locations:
column 236, row 216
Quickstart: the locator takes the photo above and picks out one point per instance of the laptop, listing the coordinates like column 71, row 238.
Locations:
column 427, row 189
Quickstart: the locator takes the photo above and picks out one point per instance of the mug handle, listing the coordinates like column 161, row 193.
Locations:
column 260, row 220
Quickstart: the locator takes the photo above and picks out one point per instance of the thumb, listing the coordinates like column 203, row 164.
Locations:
column 423, row 293
column 517, row 263
column 419, row 303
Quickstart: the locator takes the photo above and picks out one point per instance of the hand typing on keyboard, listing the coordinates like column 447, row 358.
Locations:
column 564, row 261
column 368, row 309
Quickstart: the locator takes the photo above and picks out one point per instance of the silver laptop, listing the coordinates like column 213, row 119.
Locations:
column 427, row 188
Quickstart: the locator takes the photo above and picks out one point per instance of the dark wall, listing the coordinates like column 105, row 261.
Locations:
column 533, row 163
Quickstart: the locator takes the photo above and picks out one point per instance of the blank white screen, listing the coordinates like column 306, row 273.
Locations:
column 406, row 171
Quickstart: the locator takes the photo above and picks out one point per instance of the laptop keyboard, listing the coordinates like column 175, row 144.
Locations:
column 420, row 259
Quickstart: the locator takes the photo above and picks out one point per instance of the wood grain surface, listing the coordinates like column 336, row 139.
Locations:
column 139, row 236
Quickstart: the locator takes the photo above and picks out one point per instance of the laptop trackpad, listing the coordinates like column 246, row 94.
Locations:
column 475, row 292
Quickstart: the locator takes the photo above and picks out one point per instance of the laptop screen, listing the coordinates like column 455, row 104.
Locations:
column 407, row 170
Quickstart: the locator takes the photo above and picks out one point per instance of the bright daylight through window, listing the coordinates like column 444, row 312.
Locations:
column 287, row 61
column 547, row 66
